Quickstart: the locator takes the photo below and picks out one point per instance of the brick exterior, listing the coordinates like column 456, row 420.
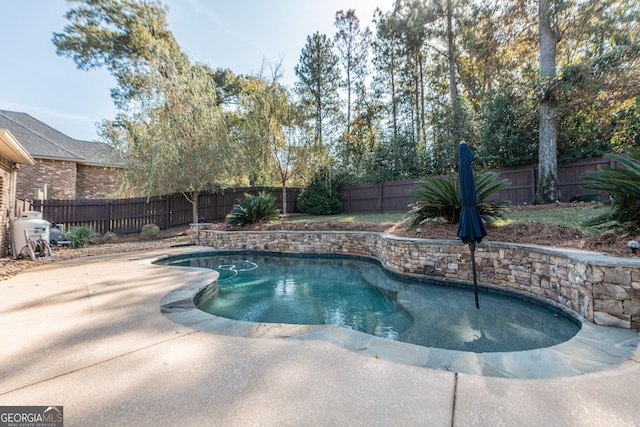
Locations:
column 98, row 182
column 60, row 177
column 5, row 203
column 68, row 180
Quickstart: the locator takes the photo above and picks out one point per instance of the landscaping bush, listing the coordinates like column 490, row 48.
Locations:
column 623, row 186
column 439, row 199
column 319, row 198
column 253, row 209
column 109, row 237
column 80, row 236
column 149, row 231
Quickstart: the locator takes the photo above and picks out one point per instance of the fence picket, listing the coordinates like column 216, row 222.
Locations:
column 123, row 216
column 368, row 198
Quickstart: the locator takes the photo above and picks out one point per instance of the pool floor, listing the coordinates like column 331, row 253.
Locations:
column 592, row 349
column 358, row 294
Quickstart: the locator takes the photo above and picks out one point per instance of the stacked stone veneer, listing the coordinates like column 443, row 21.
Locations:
column 603, row 290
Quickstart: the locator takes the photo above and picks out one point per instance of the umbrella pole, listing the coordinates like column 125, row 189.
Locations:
column 472, row 247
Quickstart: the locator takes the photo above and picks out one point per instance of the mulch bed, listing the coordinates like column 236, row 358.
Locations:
column 537, row 233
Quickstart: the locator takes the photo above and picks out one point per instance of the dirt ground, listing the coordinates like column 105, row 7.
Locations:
column 537, row 233
column 614, row 244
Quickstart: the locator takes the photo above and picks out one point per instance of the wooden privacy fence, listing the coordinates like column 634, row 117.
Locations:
column 22, row 206
column 393, row 196
column 123, row 216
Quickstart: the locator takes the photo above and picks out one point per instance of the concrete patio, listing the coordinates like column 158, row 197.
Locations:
column 88, row 334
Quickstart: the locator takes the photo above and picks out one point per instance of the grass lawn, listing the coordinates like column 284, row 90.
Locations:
column 390, row 218
column 569, row 215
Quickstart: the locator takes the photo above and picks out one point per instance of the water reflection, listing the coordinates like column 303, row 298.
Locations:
column 309, row 291
column 359, row 295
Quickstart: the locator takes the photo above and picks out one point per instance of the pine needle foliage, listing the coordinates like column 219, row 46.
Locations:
column 319, row 198
column 439, row 199
column 321, row 195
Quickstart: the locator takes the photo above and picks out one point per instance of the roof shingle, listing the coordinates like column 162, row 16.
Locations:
column 44, row 142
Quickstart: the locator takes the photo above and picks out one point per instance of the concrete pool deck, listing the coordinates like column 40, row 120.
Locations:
column 88, row 334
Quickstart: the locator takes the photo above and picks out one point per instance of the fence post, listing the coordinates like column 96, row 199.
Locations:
column 167, row 210
column 36, row 206
column 217, row 205
column 108, row 207
column 533, row 184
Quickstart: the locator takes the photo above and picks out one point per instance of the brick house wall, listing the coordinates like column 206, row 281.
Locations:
column 68, row 180
column 5, row 203
column 65, row 168
column 60, row 177
column 98, row 182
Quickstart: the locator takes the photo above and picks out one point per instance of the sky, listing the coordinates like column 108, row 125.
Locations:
column 240, row 35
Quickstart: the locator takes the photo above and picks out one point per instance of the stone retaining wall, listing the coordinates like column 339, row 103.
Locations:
column 604, row 290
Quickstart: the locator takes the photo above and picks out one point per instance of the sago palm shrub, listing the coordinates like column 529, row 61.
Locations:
column 439, row 199
column 253, row 209
column 623, row 187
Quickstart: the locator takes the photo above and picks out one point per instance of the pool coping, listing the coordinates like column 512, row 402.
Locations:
column 594, row 348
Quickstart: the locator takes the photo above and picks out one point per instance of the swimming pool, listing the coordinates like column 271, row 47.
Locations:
column 358, row 294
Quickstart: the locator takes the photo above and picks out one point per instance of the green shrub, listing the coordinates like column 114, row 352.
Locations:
column 253, row 209
column 439, row 199
column 109, row 236
column 149, row 231
column 319, row 198
column 623, row 186
column 80, row 236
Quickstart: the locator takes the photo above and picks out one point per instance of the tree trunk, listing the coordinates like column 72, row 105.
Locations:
column 194, row 206
column 394, row 105
column 453, row 86
column 284, row 197
column 548, row 185
column 348, row 138
column 416, row 100
column 423, row 137
column 319, row 122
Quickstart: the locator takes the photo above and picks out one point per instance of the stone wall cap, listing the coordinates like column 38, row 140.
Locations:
column 586, row 257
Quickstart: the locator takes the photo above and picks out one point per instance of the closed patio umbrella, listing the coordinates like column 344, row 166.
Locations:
column 470, row 228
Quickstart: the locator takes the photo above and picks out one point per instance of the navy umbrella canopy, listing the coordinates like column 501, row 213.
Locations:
column 471, row 229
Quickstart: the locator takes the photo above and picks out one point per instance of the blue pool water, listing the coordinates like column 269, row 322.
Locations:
column 360, row 295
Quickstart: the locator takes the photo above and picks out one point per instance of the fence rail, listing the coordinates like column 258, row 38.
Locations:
column 123, row 216
column 390, row 197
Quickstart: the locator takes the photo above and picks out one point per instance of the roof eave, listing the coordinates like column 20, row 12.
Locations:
column 103, row 165
column 78, row 161
column 13, row 150
column 60, row 159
